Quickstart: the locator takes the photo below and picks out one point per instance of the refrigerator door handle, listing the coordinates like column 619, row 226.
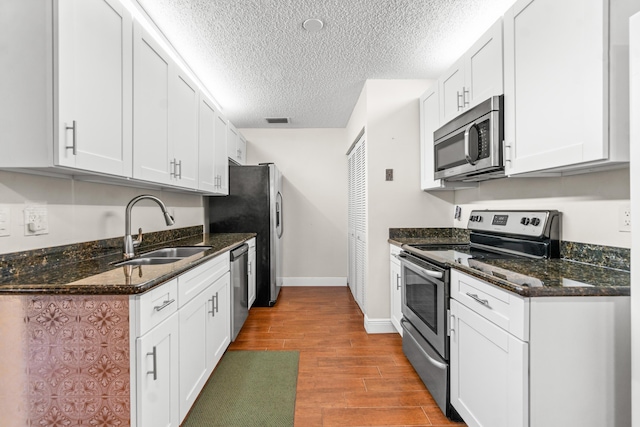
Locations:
column 279, row 214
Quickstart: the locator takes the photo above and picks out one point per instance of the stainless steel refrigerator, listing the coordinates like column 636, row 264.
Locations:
column 254, row 205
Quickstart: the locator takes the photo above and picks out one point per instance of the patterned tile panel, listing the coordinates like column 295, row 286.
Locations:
column 77, row 360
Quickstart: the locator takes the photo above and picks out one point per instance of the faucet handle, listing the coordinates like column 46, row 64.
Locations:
column 138, row 239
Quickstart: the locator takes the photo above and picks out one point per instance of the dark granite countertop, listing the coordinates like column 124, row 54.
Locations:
column 550, row 277
column 99, row 276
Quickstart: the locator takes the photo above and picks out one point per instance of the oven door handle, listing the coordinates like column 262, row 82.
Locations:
column 431, row 360
column 430, row 273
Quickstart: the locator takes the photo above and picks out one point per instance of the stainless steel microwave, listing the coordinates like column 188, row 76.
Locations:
column 469, row 147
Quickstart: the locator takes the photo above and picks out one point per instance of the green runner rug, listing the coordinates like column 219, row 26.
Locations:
column 248, row 388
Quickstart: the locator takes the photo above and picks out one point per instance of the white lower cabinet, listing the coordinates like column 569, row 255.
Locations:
column 489, row 371
column 180, row 331
column 204, row 336
column 540, row 361
column 157, row 375
column 252, row 271
column 156, row 326
column 395, row 287
column 218, row 326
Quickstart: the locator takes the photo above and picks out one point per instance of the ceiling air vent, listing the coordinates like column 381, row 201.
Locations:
column 277, row 120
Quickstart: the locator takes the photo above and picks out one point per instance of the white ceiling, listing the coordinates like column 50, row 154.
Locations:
column 257, row 60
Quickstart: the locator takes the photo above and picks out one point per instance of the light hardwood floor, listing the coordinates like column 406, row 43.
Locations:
column 346, row 376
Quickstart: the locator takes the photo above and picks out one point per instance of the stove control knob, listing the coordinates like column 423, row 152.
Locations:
column 472, row 218
column 479, row 218
column 525, row 221
column 535, row 222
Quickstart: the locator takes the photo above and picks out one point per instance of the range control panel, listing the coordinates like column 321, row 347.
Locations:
column 522, row 223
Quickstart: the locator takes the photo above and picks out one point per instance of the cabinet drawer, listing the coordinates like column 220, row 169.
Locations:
column 252, row 243
column 197, row 279
column 156, row 305
column 394, row 251
column 504, row 309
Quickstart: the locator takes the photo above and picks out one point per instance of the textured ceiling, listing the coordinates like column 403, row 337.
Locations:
column 257, row 60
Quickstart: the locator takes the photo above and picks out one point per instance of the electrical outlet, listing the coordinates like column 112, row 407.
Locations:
column 5, row 221
column 388, row 175
column 624, row 218
column 36, row 221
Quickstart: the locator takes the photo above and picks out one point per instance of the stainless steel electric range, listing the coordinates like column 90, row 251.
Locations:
column 426, row 287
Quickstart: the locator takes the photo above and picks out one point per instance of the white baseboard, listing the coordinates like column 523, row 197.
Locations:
column 379, row 326
column 314, row 281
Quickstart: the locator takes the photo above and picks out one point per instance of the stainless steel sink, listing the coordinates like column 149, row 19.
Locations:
column 176, row 252
column 148, row 261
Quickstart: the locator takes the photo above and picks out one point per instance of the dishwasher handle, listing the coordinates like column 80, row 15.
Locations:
column 239, row 251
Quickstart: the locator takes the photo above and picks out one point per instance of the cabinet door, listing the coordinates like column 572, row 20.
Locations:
column 396, row 293
column 152, row 152
column 208, row 180
column 483, row 67
column 221, row 162
column 489, row 372
column 451, row 86
column 232, row 142
column 157, row 375
column 183, row 113
column 252, row 275
column 242, row 150
column 93, row 118
column 194, row 367
column 219, row 320
column 555, row 84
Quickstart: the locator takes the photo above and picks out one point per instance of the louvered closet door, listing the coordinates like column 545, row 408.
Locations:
column 351, row 225
column 358, row 221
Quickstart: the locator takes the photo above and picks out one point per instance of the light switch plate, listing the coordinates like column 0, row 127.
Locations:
column 389, row 175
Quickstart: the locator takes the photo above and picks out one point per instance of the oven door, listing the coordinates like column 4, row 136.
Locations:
column 424, row 300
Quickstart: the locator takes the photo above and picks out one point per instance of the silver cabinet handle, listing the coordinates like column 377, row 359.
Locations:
column 164, row 305
column 73, row 146
column 214, row 306
column 217, row 302
column 179, row 167
column 397, row 282
column 477, row 299
column 212, row 312
column 458, row 97
column 172, row 166
column 249, row 268
column 465, row 92
column 154, row 371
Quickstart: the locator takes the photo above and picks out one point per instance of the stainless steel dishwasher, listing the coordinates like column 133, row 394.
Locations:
column 239, row 289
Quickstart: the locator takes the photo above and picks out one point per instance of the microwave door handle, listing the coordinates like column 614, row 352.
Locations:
column 471, row 137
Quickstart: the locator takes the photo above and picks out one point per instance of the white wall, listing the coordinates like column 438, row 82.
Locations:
column 314, row 171
column 590, row 203
column 81, row 211
column 391, row 115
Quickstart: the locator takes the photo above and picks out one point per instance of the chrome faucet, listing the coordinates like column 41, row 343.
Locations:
column 129, row 243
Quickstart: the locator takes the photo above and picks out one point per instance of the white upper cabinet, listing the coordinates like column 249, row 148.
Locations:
column 93, row 117
column 566, row 85
column 165, row 107
column 151, row 77
column 221, row 163
column 66, row 90
column 429, row 123
column 242, row 150
column 236, row 145
column 233, row 138
column 476, row 76
column 213, row 149
column 183, row 128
